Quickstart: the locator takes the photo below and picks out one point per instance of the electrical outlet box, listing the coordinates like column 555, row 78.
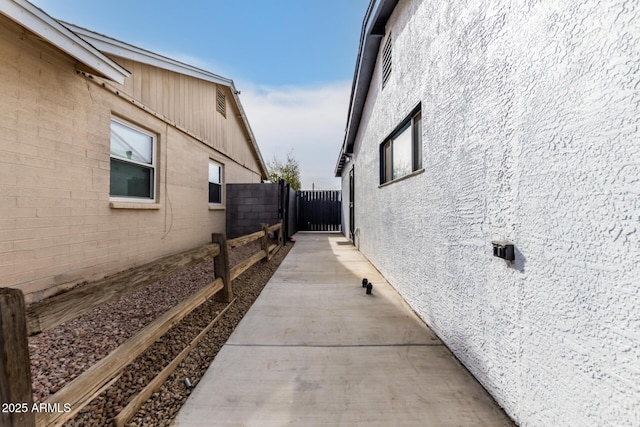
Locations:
column 504, row 250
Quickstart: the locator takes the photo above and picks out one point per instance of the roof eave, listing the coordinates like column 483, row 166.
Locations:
column 373, row 29
column 121, row 49
column 252, row 138
column 38, row 22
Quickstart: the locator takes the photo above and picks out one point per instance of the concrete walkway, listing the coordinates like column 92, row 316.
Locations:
column 315, row 350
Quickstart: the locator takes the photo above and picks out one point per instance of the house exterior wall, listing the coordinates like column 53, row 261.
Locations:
column 57, row 225
column 530, row 135
column 191, row 103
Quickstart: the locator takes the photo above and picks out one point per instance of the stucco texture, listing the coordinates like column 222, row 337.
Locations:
column 529, row 135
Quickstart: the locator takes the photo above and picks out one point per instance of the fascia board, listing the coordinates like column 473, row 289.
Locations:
column 38, row 22
column 121, row 49
column 372, row 32
column 361, row 81
column 245, row 121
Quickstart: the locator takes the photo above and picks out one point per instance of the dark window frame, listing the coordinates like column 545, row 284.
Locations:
column 413, row 124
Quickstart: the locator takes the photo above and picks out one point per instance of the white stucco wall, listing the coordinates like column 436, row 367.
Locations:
column 530, row 134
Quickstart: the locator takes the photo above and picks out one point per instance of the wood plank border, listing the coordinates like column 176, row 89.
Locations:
column 81, row 390
column 243, row 240
column 69, row 305
column 138, row 400
column 274, row 227
column 244, row 265
column 95, row 380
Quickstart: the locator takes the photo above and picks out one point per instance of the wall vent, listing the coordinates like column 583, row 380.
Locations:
column 221, row 104
column 386, row 61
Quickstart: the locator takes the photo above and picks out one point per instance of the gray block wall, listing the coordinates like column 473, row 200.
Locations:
column 248, row 206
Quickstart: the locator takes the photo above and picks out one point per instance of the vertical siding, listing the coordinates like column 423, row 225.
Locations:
column 191, row 103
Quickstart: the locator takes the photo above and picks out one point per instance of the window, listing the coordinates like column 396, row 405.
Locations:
column 400, row 154
column 221, row 104
column 215, row 183
column 386, row 62
column 132, row 162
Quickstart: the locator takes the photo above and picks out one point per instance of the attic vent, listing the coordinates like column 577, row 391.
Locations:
column 386, row 62
column 221, row 105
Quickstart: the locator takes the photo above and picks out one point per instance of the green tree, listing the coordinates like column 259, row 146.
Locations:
column 289, row 171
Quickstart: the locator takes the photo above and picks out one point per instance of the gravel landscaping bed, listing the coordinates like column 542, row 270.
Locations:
column 61, row 354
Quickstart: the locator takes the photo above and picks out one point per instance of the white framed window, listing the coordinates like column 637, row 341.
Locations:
column 401, row 152
column 215, row 183
column 133, row 162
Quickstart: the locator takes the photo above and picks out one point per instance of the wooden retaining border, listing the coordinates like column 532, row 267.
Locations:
column 18, row 322
column 61, row 308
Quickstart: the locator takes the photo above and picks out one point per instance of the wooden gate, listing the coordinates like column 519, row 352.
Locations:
column 319, row 210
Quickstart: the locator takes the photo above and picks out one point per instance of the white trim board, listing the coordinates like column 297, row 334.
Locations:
column 38, row 22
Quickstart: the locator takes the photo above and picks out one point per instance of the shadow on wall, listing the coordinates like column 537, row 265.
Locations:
column 518, row 263
column 510, row 253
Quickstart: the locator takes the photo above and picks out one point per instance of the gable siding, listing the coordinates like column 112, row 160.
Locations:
column 191, row 103
column 530, row 126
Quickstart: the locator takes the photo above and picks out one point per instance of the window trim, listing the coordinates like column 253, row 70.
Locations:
column 153, row 166
column 407, row 124
column 220, row 204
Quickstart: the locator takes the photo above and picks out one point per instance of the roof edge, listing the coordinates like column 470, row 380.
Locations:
column 125, row 50
column 39, row 22
column 373, row 29
column 252, row 138
column 112, row 46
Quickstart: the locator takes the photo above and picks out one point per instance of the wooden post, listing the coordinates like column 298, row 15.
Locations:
column 265, row 241
column 221, row 267
column 281, row 235
column 15, row 369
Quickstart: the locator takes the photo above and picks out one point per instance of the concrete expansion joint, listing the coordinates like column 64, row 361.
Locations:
column 337, row 345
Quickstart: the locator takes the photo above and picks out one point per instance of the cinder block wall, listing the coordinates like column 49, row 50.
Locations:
column 57, row 227
column 249, row 205
column 530, row 132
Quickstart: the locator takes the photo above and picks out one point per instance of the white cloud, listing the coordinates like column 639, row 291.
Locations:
column 308, row 120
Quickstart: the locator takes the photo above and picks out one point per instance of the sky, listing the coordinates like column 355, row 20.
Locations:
column 292, row 60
